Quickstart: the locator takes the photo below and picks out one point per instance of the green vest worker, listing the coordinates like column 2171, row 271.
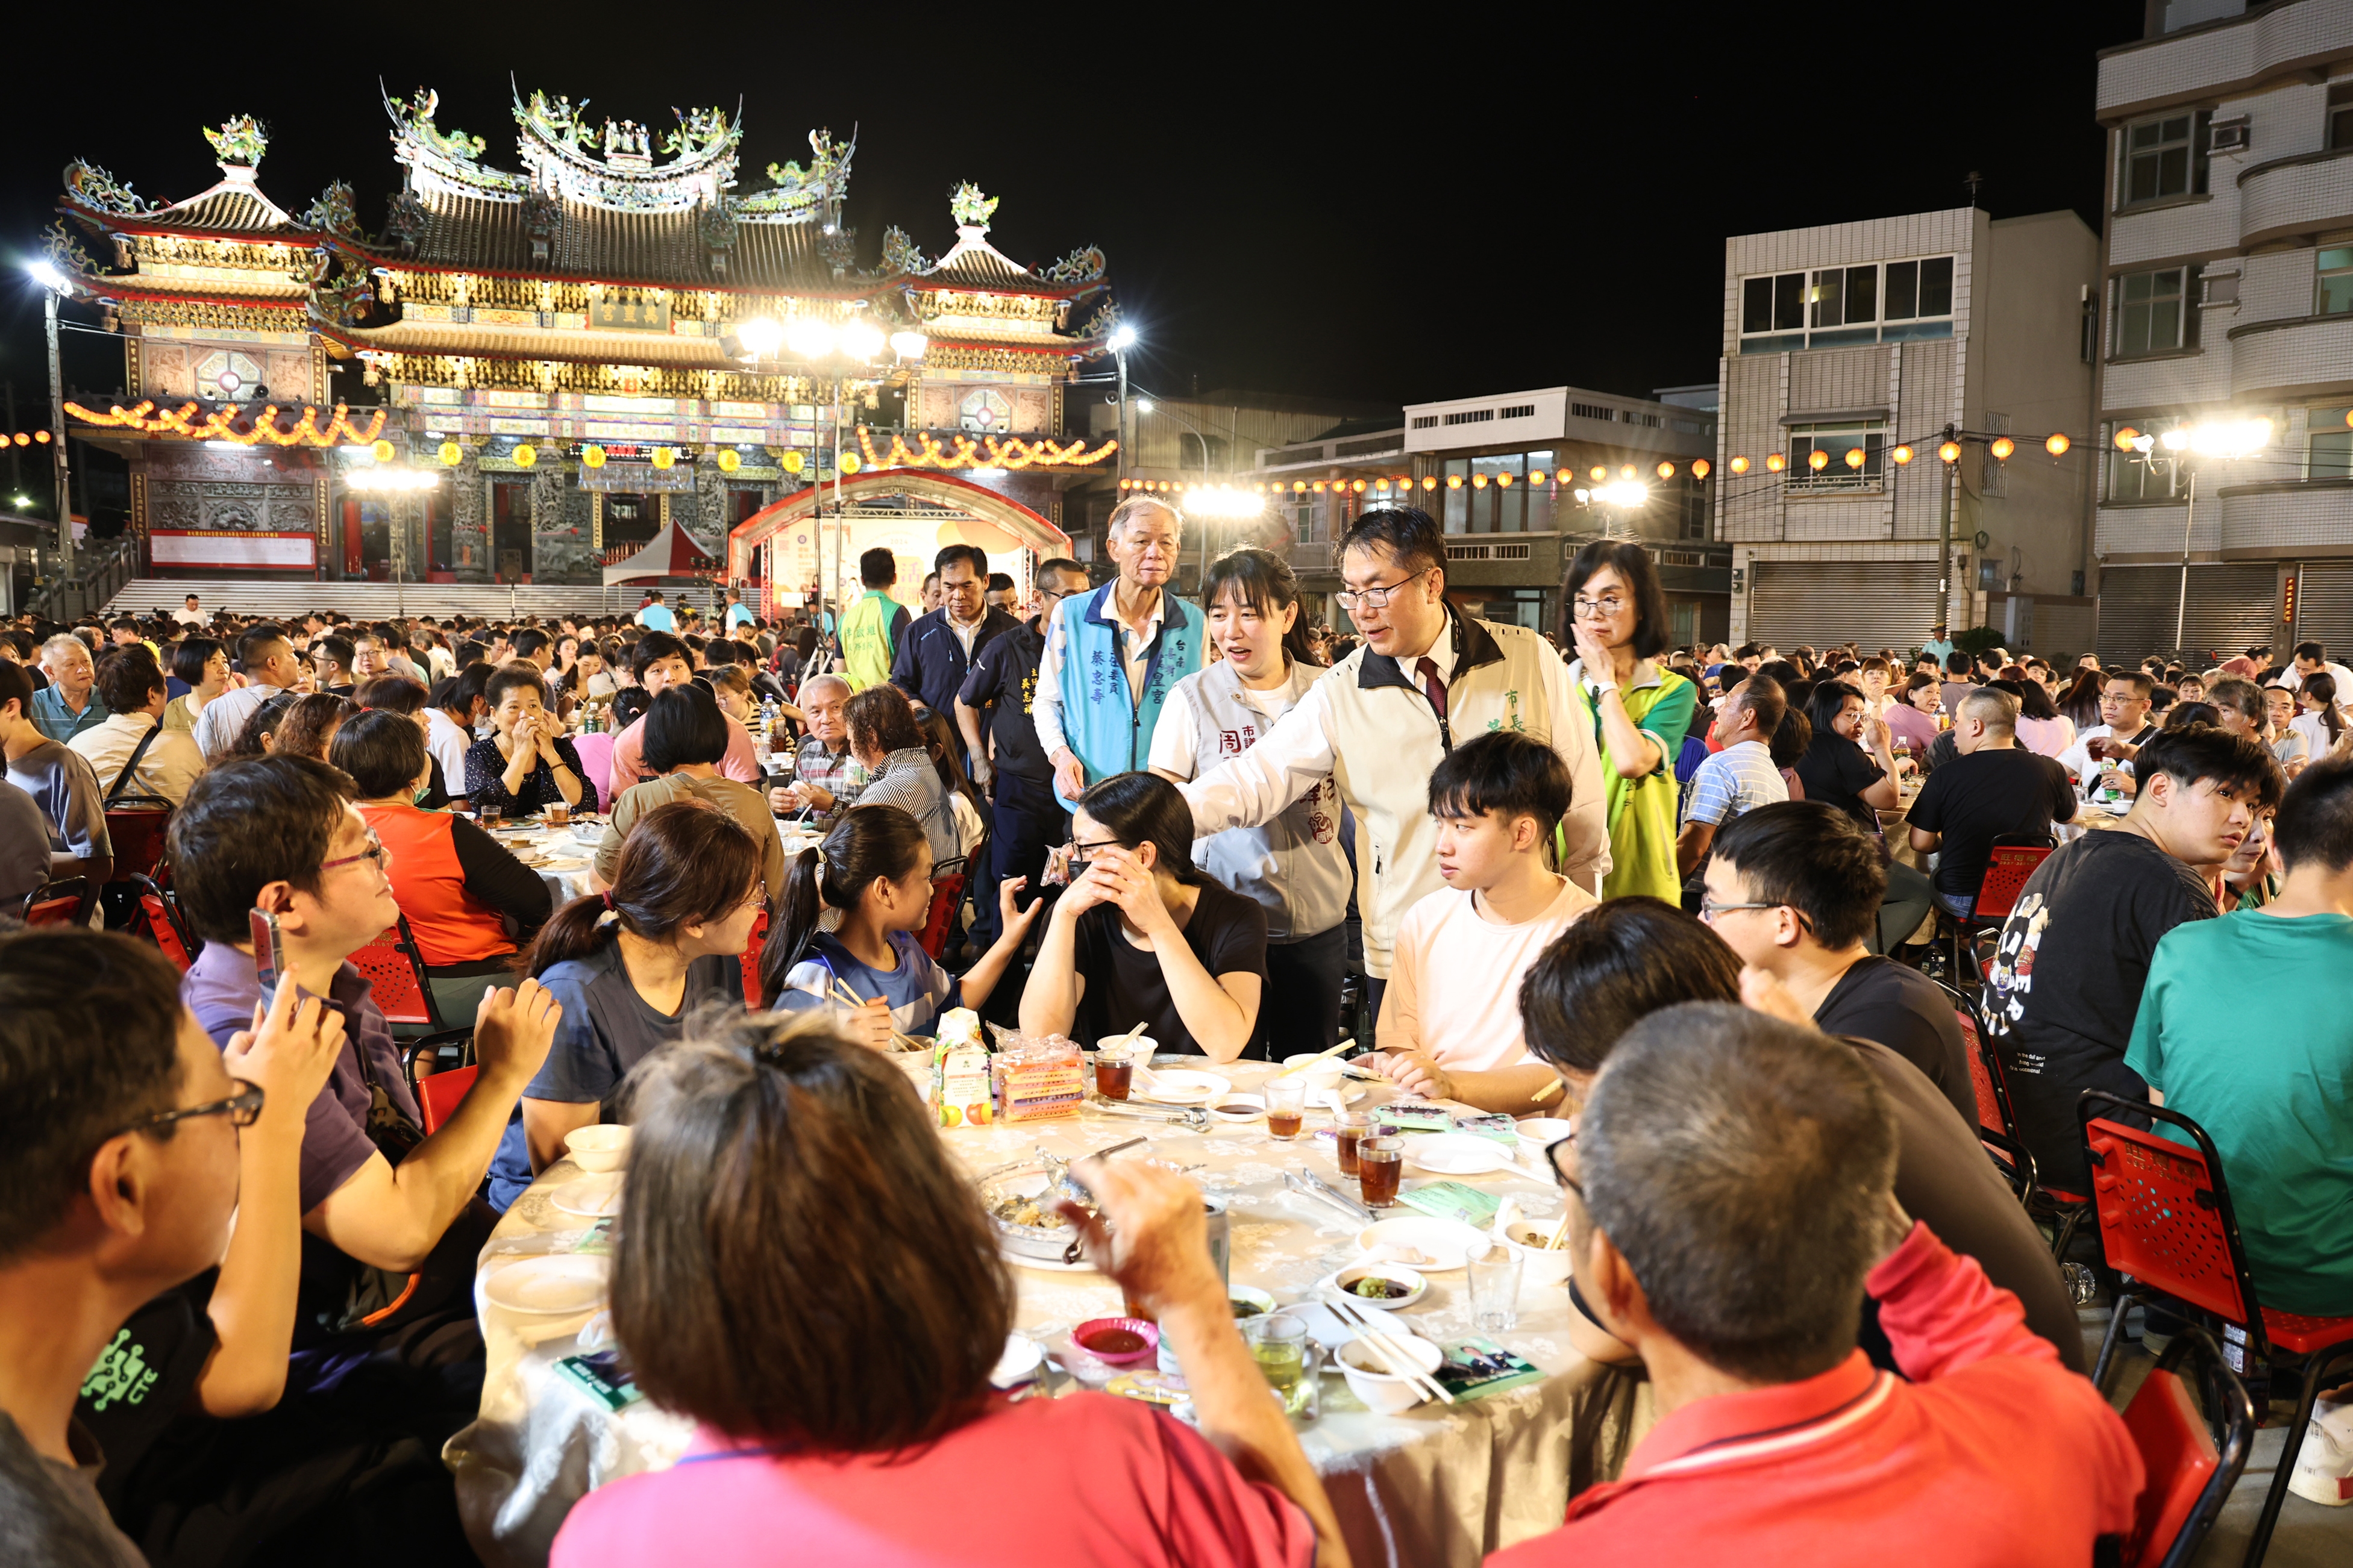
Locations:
column 871, row 627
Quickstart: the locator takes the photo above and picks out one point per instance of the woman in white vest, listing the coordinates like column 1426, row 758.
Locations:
column 1293, row 866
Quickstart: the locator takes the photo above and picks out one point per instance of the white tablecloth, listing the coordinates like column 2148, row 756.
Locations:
column 1436, row 1485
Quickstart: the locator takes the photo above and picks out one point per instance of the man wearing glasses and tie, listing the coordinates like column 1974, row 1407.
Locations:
column 1426, row 678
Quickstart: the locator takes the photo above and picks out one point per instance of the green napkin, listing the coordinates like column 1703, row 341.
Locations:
column 1452, row 1200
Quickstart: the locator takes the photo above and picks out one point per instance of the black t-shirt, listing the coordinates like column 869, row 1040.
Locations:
column 1880, row 999
column 2089, row 918
column 1984, row 794
column 1226, row 933
column 146, row 1375
column 1835, row 770
column 1004, row 680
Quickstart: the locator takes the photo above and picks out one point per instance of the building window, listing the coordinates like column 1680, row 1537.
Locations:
column 2164, row 159
column 2333, row 286
column 2152, row 313
column 2133, row 477
column 2338, row 133
column 1837, row 441
column 1833, row 307
column 1495, row 494
column 1519, row 411
column 2328, row 450
column 1425, row 421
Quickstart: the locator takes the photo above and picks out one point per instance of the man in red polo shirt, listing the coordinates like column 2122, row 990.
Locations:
column 1732, row 1191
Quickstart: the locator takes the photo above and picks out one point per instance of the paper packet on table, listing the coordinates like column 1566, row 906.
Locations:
column 1495, row 1129
column 1452, row 1200
column 960, row 1071
column 1414, row 1116
column 602, row 1377
column 1476, row 1367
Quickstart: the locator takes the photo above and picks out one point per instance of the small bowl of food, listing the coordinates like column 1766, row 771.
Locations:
column 1383, row 1392
column 1539, row 1264
column 1388, row 1286
column 1249, row 1302
column 1239, row 1108
column 1117, row 1342
column 583, row 832
column 1321, row 1075
column 597, row 1148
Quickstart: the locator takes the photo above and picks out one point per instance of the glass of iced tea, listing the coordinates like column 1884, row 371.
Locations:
column 490, row 814
column 1286, row 1105
column 1115, row 1070
column 559, row 814
column 1379, row 1163
column 1349, row 1129
column 2096, row 748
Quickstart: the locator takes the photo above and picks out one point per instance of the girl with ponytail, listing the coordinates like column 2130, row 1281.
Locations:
column 631, row 966
column 851, row 910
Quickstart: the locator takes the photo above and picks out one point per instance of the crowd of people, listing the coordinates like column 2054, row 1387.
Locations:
column 1708, row 903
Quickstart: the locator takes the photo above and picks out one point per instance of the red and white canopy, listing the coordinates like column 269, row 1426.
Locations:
column 672, row 552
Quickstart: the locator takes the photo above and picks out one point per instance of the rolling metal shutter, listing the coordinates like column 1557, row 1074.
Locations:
column 2324, row 607
column 2231, row 608
column 1878, row 604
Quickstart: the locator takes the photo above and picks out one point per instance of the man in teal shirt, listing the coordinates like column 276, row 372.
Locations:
column 67, row 705
column 2272, row 1084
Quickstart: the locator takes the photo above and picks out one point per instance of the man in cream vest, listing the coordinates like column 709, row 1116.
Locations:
column 1425, row 677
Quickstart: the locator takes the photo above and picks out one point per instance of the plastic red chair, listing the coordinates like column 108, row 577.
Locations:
column 2188, row 1474
column 1996, row 1127
column 752, row 960
column 2165, row 1221
column 164, row 928
column 948, row 892
column 396, row 975
column 2013, row 860
column 439, row 1094
column 137, row 825
column 57, row 903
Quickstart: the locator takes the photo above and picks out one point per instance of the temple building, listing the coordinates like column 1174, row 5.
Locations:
column 528, row 373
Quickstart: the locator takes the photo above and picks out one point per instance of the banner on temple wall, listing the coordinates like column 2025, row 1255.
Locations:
column 276, row 551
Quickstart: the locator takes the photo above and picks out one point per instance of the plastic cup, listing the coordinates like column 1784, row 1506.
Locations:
column 1278, row 1343
column 1494, row 1271
column 1286, row 1105
column 1379, row 1163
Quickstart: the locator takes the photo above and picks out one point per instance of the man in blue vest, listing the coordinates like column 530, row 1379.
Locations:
column 939, row 648
column 1114, row 656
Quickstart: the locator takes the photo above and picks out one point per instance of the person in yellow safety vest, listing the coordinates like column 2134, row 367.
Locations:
column 872, row 628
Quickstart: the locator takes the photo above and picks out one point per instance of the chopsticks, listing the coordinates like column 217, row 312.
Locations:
column 1547, row 1091
column 1393, row 1357
column 1303, row 1066
column 849, row 998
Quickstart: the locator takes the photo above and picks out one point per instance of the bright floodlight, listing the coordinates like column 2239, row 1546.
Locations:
column 760, row 337
column 908, row 344
column 1123, row 337
column 2229, row 437
column 2176, row 438
column 48, row 277
column 1143, row 405
column 861, row 340
column 1626, row 494
column 809, row 339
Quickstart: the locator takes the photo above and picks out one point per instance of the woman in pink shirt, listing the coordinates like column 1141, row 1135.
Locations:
column 808, row 1273
column 1911, row 723
column 2041, row 727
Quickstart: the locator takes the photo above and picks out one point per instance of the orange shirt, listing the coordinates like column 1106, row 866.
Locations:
column 451, row 926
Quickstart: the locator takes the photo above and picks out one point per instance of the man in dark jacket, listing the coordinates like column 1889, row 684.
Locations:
column 939, row 648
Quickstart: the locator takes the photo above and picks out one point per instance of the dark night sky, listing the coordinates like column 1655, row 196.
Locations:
column 1396, row 218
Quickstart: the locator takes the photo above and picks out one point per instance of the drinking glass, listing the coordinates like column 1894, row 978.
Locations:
column 1286, row 1105
column 559, row 814
column 491, row 814
column 1349, row 1129
column 1114, row 1071
column 1379, row 1163
column 1279, row 1344
column 1494, row 1288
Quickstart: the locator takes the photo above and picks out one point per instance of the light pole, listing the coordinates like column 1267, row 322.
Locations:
column 2225, row 438
column 1623, row 497
column 1123, row 339
column 55, row 286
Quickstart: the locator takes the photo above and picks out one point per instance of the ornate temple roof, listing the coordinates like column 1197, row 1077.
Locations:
column 235, row 208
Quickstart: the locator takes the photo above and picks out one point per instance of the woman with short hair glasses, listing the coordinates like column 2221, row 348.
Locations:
column 809, row 1275
column 1615, row 614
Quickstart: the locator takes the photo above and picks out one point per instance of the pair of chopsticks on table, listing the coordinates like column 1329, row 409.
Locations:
column 849, row 998
column 1391, row 1353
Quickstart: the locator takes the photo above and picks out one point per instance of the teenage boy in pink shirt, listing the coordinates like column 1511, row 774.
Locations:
column 1449, row 1024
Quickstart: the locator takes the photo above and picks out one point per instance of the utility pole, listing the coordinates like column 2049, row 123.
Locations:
column 57, row 441
column 1945, row 543
column 16, row 463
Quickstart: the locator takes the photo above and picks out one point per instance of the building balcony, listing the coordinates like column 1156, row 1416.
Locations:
column 2296, row 196
column 2262, row 520
column 2193, row 376
column 2292, row 358
column 2154, row 529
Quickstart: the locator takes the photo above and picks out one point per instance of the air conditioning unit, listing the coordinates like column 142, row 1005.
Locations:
column 2228, row 135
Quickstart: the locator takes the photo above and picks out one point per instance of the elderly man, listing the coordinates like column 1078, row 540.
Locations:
column 940, row 649
column 1994, row 787
column 65, row 708
column 270, row 666
column 1114, row 655
column 1731, row 1196
column 1426, row 678
column 825, row 778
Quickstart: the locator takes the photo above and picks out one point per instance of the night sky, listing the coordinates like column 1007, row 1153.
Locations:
column 1393, row 218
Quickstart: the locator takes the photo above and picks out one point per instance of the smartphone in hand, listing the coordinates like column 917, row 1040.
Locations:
column 269, row 954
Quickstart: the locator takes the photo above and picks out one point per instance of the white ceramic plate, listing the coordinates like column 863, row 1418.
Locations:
column 1457, row 1154
column 1020, row 1362
column 1444, row 1243
column 590, row 1197
column 1051, row 1265
column 554, row 1285
column 1177, row 1086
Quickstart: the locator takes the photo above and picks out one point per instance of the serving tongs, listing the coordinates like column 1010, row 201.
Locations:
column 1191, row 1116
column 1309, row 1184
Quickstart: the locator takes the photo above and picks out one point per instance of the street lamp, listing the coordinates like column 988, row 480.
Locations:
column 1123, row 338
column 2228, row 439
column 55, row 286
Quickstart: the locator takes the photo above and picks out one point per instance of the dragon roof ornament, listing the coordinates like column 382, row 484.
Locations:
column 240, row 142
column 93, row 187
column 972, row 207
column 1084, row 265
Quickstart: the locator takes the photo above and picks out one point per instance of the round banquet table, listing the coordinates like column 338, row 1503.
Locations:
column 1436, row 1485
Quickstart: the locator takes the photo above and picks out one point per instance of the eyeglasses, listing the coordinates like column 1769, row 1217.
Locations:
column 1603, row 608
column 242, row 1108
column 1709, row 909
column 1552, row 1158
column 374, row 851
column 1375, row 598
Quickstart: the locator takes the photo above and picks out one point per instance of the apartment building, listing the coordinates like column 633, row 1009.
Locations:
column 2225, row 516
column 1850, row 351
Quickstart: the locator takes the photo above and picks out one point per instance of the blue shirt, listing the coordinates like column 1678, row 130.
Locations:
column 930, row 662
column 58, row 722
column 657, row 618
column 919, row 990
column 1734, row 781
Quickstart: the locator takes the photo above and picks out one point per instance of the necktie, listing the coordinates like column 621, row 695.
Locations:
column 1432, row 685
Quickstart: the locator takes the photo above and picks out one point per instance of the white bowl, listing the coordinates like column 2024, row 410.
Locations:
column 1323, row 1075
column 1539, row 1265
column 1416, row 1287
column 1444, row 1244
column 1386, row 1393
column 1538, row 1134
column 597, row 1148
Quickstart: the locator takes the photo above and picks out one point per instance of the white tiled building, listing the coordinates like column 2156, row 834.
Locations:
column 2229, row 297
column 1861, row 340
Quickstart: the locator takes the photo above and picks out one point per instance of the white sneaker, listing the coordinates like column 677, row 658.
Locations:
column 2324, row 1466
